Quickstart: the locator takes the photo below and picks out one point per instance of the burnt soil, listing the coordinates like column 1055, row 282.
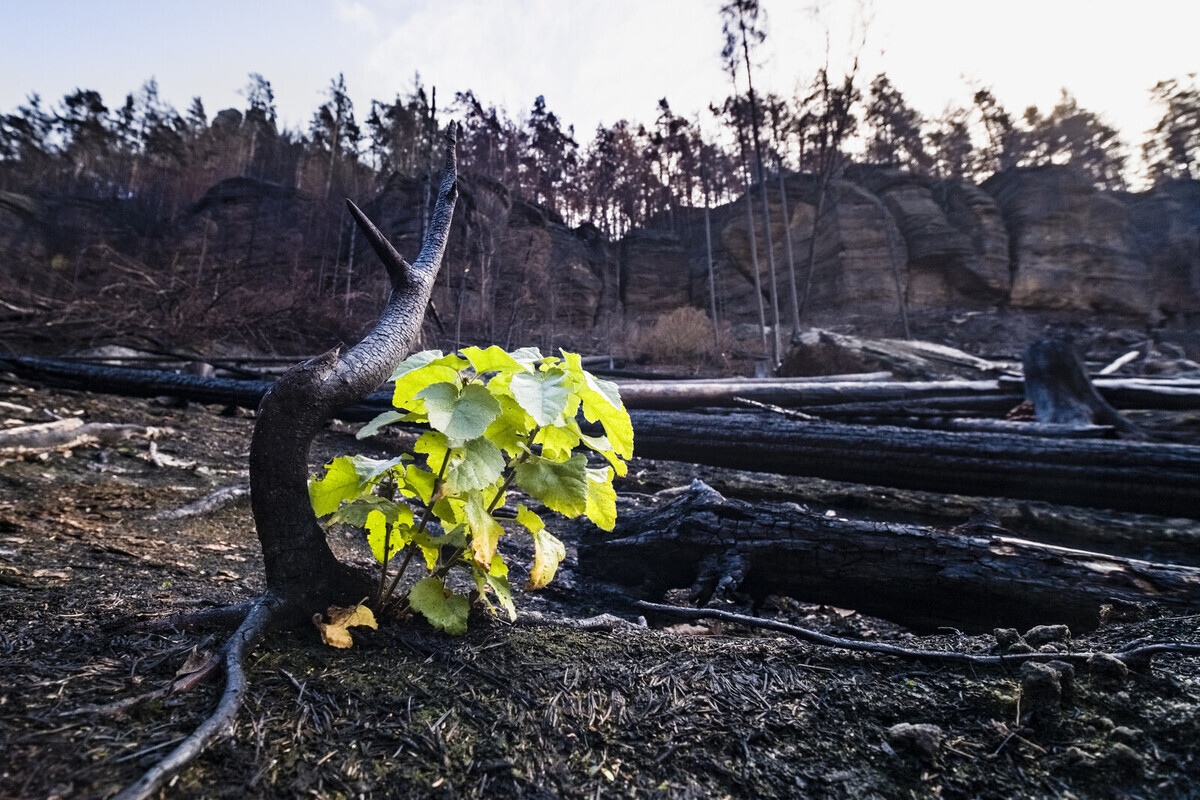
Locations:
column 524, row 710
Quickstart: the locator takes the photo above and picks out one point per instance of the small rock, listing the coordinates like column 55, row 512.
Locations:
column 1125, row 735
column 1116, row 610
column 1044, row 634
column 1041, row 690
column 1006, row 637
column 1125, row 759
column 1075, row 755
column 1066, row 677
column 1107, row 671
column 922, row 739
column 1053, row 647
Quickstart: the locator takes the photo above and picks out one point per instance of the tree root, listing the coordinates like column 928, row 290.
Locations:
column 225, row 617
column 1138, row 655
column 262, row 612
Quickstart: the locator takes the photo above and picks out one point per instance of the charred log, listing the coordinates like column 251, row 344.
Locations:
column 924, row 578
column 1125, row 476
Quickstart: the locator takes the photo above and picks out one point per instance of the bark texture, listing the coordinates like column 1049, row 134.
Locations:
column 1125, row 476
column 969, row 578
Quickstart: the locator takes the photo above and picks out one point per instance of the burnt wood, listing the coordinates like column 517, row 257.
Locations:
column 974, row 577
column 1145, row 477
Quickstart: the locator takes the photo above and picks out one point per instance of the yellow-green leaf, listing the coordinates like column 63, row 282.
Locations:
column 485, row 530
column 548, row 551
column 493, row 359
column 532, row 522
column 601, row 498
column 339, row 483
column 558, row 441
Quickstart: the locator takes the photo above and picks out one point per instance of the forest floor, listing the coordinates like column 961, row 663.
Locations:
column 509, row 710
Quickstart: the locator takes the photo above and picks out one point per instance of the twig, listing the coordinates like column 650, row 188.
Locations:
column 787, row 412
column 1135, row 654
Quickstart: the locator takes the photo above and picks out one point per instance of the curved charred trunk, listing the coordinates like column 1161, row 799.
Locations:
column 300, row 568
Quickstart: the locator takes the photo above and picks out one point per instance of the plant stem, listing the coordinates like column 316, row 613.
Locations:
column 420, row 529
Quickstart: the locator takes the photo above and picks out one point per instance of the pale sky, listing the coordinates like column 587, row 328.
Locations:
column 596, row 61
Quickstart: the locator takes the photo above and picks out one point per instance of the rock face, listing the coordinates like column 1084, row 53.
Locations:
column 655, row 275
column 1166, row 233
column 1071, row 245
column 1040, row 239
column 1037, row 239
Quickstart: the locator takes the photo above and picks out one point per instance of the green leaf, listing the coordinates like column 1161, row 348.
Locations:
column 600, row 445
column 356, row 511
column 561, row 486
column 340, row 483
column 532, row 522
column 449, row 613
column 379, row 423
column 476, row 465
column 485, row 530
column 543, row 394
column 461, row 414
column 435, row 447
column 601, row 498
column 548, row 551
column 528, row 356
column 494, row 359
column 510, row 430
column 497, row 578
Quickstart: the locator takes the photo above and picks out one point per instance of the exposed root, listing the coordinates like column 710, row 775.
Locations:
column 226, row 617
column 262, row 612
column 1135, row 655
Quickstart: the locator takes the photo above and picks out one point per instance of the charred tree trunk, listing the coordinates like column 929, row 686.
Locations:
column 302, row 573
column 924, row 578
column 299, row 564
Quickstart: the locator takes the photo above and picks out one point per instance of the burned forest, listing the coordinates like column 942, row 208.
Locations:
column 807, row 447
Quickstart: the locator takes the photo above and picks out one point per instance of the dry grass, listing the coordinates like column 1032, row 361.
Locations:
column 682, row 336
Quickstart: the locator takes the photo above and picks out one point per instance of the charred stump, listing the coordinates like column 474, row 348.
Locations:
column 1057, row 384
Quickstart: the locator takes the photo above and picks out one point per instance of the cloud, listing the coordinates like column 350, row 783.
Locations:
column 355, row 13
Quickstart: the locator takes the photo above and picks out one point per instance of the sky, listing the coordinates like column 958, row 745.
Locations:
column 595, row 61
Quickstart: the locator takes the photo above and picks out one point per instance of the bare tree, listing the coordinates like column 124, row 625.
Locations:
column 745, row 23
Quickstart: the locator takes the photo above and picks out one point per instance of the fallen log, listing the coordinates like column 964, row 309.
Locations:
column 67, row 434
column 1147, row 537
column 919, row 577
column 792, row 394
column 659, row 395
column 1149, row 478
